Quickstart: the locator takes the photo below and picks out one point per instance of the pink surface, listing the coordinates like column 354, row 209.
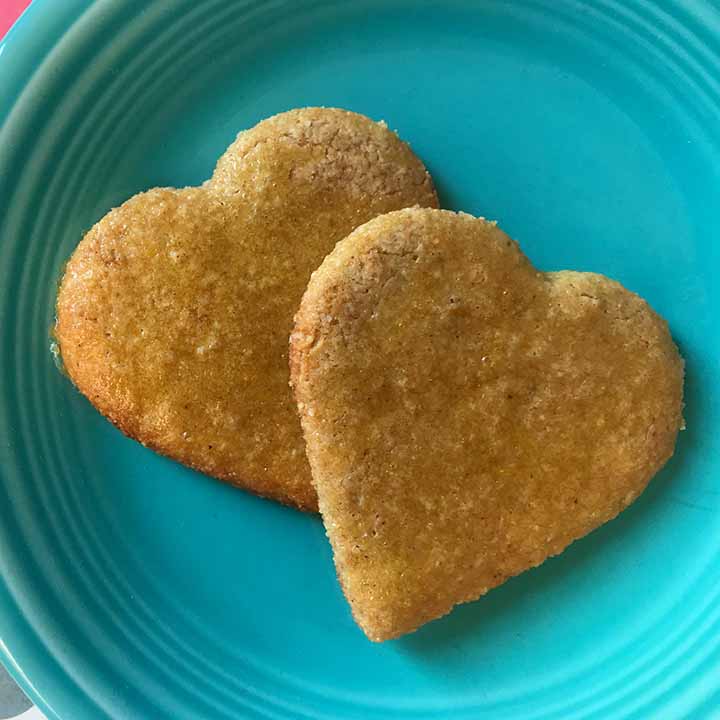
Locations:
column 9, row 12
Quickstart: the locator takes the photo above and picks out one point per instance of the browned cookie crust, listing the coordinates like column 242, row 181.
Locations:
column 175, row 309
column 467, row 416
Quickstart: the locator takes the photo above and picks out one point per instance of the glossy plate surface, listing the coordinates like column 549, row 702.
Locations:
column 131, row 587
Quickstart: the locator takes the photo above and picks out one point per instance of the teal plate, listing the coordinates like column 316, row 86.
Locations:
column 131, row 587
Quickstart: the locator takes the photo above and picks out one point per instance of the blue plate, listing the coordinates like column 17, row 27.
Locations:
column 133, row 588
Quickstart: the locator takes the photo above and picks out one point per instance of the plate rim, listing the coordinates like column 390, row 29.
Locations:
column 23, row 52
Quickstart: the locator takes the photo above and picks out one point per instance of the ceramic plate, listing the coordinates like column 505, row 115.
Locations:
column 133, row 588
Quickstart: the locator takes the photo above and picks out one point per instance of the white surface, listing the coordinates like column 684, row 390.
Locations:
column 31, row 714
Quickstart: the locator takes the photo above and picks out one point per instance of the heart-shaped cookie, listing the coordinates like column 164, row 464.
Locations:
column 174, row 311
column 467, row 416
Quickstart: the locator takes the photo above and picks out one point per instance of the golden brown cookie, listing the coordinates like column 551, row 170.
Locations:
column 175, row 309
column 467, row 416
